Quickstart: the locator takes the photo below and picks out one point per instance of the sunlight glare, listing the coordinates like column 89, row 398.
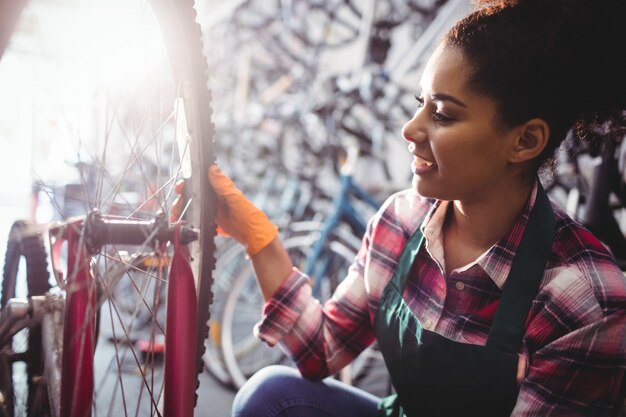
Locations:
column 125, row 52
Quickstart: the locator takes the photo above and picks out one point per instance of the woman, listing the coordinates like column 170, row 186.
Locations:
column 484, row 299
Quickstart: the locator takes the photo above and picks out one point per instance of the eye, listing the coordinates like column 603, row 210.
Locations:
column 440, row 117
column 436, row 115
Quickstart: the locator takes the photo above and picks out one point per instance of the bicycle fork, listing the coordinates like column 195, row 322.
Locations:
column 77, row 375
column 85, row 237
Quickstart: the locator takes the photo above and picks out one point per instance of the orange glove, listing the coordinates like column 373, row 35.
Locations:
column 238, row 217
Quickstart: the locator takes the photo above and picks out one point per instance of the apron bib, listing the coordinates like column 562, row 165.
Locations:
column 434, row 376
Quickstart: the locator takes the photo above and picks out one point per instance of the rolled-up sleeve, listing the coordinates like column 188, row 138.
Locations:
column 284, row 309
column 320, row 338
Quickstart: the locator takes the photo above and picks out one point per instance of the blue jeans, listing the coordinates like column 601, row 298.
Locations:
column 280, row 391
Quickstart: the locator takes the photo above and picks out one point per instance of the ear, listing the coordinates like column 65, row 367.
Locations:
column 531, row 139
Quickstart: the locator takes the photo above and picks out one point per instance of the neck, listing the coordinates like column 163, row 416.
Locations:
column 481, row 223
column 472, row 227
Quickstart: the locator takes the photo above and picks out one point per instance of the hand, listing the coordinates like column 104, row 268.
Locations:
column 236, row 215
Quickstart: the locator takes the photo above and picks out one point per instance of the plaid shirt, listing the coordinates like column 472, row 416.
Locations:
column 575, row 338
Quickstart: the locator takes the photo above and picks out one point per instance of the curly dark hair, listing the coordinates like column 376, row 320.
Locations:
column 559, row 60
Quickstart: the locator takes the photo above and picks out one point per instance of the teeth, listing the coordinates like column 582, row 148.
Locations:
column 424, row 162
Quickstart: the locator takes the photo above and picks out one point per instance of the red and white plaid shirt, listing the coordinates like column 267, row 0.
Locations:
column 575, row 338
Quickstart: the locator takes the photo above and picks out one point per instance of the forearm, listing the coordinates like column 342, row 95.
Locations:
column 314, row 333
column 272, row 266
column 239, row 218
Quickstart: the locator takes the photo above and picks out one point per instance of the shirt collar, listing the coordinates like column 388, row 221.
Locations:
column 432, row 231
column 497, row 260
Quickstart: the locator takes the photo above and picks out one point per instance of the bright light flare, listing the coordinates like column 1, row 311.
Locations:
column 91, row 56
column 122, row 43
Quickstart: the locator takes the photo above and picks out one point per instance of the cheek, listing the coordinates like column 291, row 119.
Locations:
column 452, row 156
column 470, row 149
column 462, row 164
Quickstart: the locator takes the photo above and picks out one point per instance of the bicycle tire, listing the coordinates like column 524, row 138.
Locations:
column 24, row 244
column 181, row 18
column 229, row 255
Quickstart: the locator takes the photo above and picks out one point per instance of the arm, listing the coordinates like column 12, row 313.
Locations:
column 315, row 335
column 321, row 338
column 239, row 218
column 579, row 363
column 272, row 267
column 324, row 338
column 579, row 374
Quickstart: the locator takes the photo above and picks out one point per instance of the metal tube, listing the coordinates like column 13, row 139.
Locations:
column 51, row 334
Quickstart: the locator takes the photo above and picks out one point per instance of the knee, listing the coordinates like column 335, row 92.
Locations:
column 264, row 390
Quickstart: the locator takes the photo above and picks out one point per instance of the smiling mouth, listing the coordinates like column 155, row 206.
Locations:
column 419, row 161
column 421, row 166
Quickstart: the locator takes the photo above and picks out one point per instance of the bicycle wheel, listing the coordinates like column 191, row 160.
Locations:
column 25, row 274
column 243, row 353
column 131, row 96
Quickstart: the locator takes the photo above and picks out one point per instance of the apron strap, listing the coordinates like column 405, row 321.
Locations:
column 527, row 270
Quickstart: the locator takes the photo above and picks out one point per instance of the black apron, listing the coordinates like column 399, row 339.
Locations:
column 434, row 376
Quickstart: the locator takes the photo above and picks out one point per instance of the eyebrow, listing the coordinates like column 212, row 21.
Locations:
column 446, row 97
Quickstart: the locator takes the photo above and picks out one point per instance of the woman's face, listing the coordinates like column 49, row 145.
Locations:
column 460, row 152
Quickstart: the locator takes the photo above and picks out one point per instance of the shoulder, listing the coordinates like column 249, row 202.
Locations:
column 582, row 280
column 582, row 287
column 394, row 223
column 404, row 210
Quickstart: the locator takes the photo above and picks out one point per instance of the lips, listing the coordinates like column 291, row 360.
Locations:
column 419, row 161
column 420, row 165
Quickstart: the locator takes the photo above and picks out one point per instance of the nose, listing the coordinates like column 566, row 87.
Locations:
column 412, row 131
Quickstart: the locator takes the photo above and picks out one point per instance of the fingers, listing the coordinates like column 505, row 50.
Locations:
column 223, row 186
column 221, row 232
column 221, row 183
column 239, row 217
column 179, row 188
